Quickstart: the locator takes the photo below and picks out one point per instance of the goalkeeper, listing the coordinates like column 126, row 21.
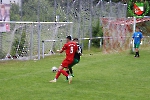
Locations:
column 137, row 37
column 76, row 58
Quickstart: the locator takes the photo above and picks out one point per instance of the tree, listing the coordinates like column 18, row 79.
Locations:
column 97, row 32
column 32, row 10
column 18, row 45
column 14, row 12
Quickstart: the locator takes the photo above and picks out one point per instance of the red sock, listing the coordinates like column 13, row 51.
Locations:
column 64, row 72
column 57, row 74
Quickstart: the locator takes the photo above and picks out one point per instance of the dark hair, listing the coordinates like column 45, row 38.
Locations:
column 68, row 37
column 138, row 28
column 75, row 39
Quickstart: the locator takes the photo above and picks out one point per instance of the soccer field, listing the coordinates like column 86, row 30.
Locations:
column 98, row 76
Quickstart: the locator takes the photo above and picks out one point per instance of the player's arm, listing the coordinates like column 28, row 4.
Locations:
column 141, row 40
column 133, row 37
column 63, row 48
column 75, row 49
column 80, row 50
column 61, row 51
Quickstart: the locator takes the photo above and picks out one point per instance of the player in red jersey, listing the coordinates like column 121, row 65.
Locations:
column 70, row 48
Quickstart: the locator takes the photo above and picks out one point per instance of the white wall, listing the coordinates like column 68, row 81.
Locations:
column 11, row 1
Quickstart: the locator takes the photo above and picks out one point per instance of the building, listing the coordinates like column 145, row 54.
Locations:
column 11, row 1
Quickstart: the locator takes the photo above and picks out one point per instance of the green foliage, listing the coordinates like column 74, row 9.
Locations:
column 144, row 26
column 85, row 44
column 131, row 51
column 18, row 45
column 97, row 32
column 14, row 47
column 2, row 54
column 14, row 12
column 30, row 10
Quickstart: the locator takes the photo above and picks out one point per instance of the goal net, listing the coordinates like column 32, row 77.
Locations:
column 117, row 36
column 118, row 33
column 24, row 39
column 117, row 28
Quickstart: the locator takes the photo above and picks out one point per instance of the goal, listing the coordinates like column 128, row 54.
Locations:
column 118, row 33
column 24, row 39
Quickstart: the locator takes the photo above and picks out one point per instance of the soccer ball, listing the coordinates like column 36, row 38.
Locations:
column 54, row 69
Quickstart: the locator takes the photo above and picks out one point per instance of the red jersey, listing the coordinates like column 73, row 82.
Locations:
column 71, row 49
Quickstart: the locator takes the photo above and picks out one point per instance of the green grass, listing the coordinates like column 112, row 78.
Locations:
column 97, row 77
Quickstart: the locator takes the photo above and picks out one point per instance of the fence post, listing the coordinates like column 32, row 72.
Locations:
column 100, row 43
column 43, row 48
column 31, row 43
column 89, row 46
column 39, row 29
column 134, row 25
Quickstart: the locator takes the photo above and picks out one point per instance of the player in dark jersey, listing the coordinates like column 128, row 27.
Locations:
column 70, row 48
column 137, row 37
column 76, row 58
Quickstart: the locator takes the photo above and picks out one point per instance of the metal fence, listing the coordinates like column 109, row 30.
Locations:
column 122, row 44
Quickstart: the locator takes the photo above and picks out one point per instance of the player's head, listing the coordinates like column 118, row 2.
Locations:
column 76, row 40
column 137, row 29
column 68, row 38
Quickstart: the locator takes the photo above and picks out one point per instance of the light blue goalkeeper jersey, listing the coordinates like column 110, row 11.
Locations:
column 137, row 36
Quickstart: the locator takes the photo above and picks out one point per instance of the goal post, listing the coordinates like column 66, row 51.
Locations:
column 24, row 39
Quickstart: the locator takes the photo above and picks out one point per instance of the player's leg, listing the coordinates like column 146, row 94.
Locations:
column 137, row 50
column 64, row 64
column 67, row 63
column 67, row 70
column 66, row 74
column 70, row 67
column 57, row 74
column 60, row 70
